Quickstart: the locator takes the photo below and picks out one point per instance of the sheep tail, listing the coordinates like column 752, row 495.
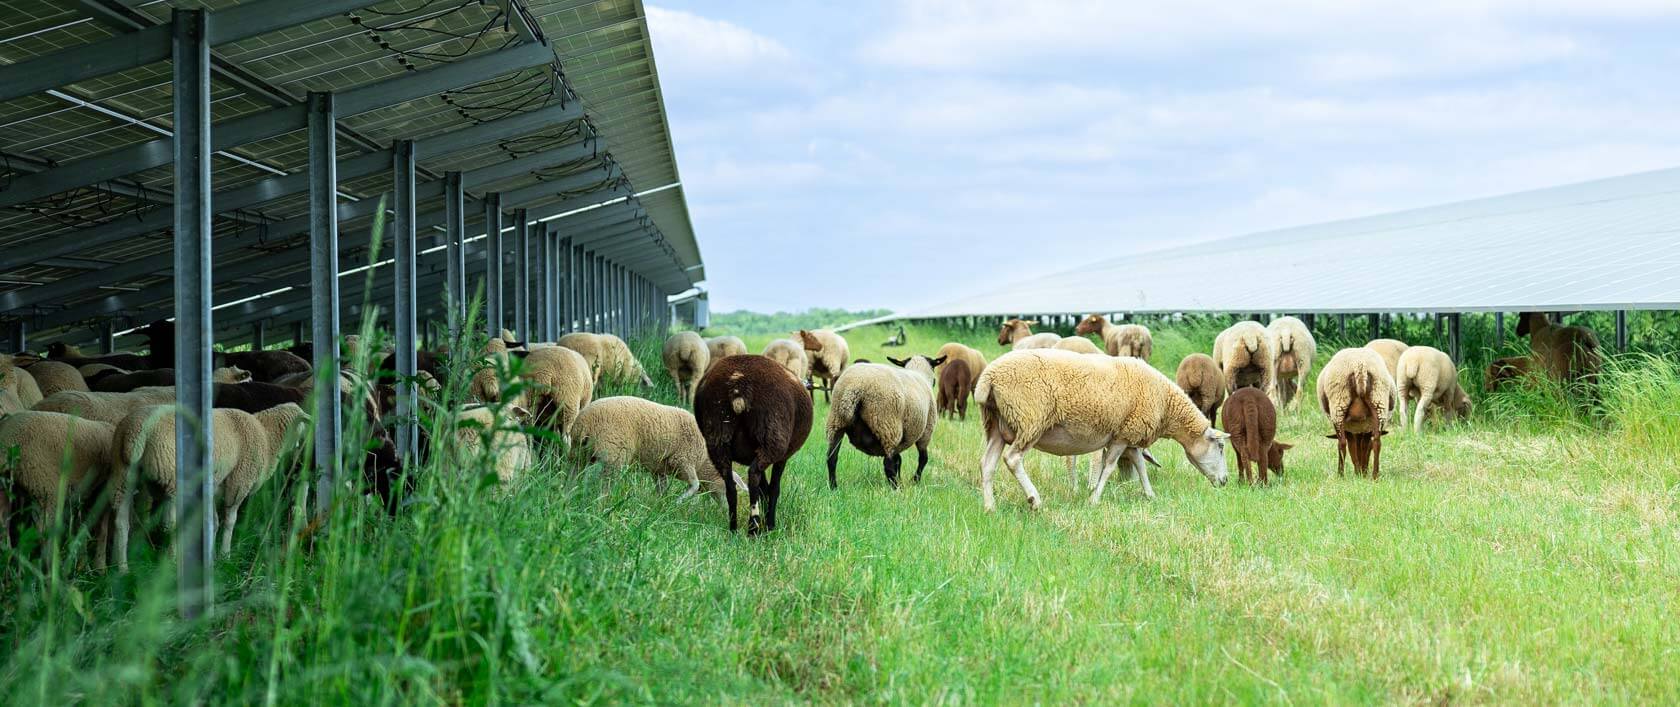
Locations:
column 848, row 403
column 983, row 398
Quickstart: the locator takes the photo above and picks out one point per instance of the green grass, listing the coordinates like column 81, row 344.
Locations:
column 1527, row 556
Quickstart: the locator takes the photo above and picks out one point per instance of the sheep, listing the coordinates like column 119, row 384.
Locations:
column 1078, row 344
column 1199, row 377
column 1565, row 353
column 1244, row 353
column 124, row 382
column 1017, row 335
column 19, row 383
column 1356, row 393
column 68, row 353
column 56, row 451
column 1251, row 420
column 54, row 376
column 718, row 347
column 559, row 384
column 1428, row 374
column 751, row 411
column 9, row 403
column 1507, row 369
column 791, row 355
column 1294, row 360
column 685, row 356
column 956, row 381
column 246, row 448
column 953, row 351
column 1389, row 350
column 1124, row 340
column 884, row 410
column 109, row 408
column 478, row 427
column 827, row 353
column 90, row 370
column 1071, row 404
column 662, row 439
column 265, row 366
column 485, row 385
column 608, row 356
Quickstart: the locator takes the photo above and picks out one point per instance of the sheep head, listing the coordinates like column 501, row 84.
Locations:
column 1014, row 330
column 1206, row 452
column 1091, row 324
column 1274, row 457
column 810, row 341
column 1528, row 322
column 919, row 364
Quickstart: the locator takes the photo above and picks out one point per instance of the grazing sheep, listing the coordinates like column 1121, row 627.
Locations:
column 1245, row 355
column 1199, row 377
column 246, row 448
column 1389, row 350
column 608, row 356
column 1428, row 374
column 1124, row 340
column 1510, row 368
column 953, row 351
column 9, row 404
column 255, row 396
column 53, row 450
column 125, row 382
column 479, row 432
column 109, row 408
column 1356, row 392
column 1078, row 344
column 1071, row 404
column 1565, row 353
column 750, row 411
column 1017, row 335
column 67, row 353
column 54, row 376
column 827, row 353
column 485, row 386
column 1294, row 357
column 685, row 356
column 265, row 366
column 662, row 439
column 1251, row 420
column 956, row 382
column 559, row 385
column 791, row 355
column 884, row 410
column 718, row 347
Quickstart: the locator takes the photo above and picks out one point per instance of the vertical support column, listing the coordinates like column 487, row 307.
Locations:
column 1455, row 337
column 1376, row 326
column 541, row 308
column 599, row 289
column 493, row 264
column 404, row 311
column 551, row 278
column 1440, row 319
column 108, row 336
column 323, row 293
column 1499, row 330
column 20, row 335
column 1621, row 331
column 569, row 288
column 259, row 335
column 455, row 267
column 521, row 275
column 194, row 489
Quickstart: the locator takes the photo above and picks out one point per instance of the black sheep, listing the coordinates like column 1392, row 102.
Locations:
column 752, row 412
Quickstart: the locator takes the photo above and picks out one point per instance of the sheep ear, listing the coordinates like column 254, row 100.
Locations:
column 1331, row 437
column 1386, row 431
column 935, row 362
column 898, row 362
column 1522, row 324
column 1033, row 322
column 1150, row 458
column 1285, row 446
column 1214, row 434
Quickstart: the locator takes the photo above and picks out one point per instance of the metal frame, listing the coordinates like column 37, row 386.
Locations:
column 323, row 294
column 521, row 275
column 407, row 439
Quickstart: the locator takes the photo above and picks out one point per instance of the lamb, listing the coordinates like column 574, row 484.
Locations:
column 559, row 385
column 791, row 355
column 751, row 411
column 246, row 448
column 1389, row 350
column 718, row 347
column 1506, row 369
column 1251, row 420
column 109, row 408
column 956, row 382
column 1017, row 335
column 1567, row 354
column 55, row 449
column 1294, row 360
column 54, row 376
column 662, row 439
column 685, row 356
column 1071, row 404
column 953, row 351
column 827, row 353
column 1428, row 374
column 1356, row 393
column 1124, row 340
column 1244, row 353
column 125, row 382
column 1078, row 344
column 884, row 410
column 1199, row 377
column 481, row 433
column 608, row 356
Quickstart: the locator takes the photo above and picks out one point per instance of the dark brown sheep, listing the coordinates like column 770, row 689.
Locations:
column 1507, row 369
column 60, row 351
column 1199, row 377
column 256, row 396
column 956, row 383
column 1567, row 354
column 751, row 411
column 265, row 366
column 1251, row 421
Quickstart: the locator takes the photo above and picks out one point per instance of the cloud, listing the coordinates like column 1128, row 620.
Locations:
column 692, row 45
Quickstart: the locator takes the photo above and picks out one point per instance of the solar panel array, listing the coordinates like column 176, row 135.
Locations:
column 1610, row 244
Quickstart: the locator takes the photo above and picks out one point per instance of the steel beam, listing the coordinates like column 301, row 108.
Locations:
column 1621, row 331
column 521, row 275
column 323, row 294
column 191, row 155
column 545, row 281
column 568, row 287
column 1499, row 330
column 20, row 335
column 493, row 264
column 404, row 309
column 455, row 227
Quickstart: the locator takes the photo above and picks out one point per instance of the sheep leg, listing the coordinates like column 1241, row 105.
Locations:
column 757, row 491
column 1135, row 456
column 230, row 515
column 1341, row 452
column 921, row 460
column 726, row 469
column 693, row 483
column 1425, row 395
column 121, row 515
column 890, row 464
column 988, row 464
column 1376, row 455
column 1015, row 457
column 834, row 459
column 1110, row 457
column 1073, row 471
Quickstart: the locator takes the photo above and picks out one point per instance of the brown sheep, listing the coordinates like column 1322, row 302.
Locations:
column 1567, row 354
column 1506, row 369
column 752, row 411
column 1017, row 334
column 1251, row 420
column 953, row 351
column 1123, row 340
column 826, row 352
column 956, row 383
column 1200, row 378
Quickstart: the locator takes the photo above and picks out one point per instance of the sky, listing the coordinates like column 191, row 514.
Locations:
column 872, row 154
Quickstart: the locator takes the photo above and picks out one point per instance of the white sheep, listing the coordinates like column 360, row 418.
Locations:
column 828, row 354
column 109, row 408
column 1017, row 334
column 608, row 356
column 16, row 380
column 662, row 439
column 479, row 431
column 55, row 376
column 686, row 357
column 1078, row 345
column 559, row 383
column 1428, row 375
column 1071, row 404
column 57, row 451
column 1124, row 340
column 719, row 347
column 1245, row 356
column 792, row 357
column 246, row 448
column 884, row 410
column 1293, row 360
column 1357, row 394
column 1390, row 351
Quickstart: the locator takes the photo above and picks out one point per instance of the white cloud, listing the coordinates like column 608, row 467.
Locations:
column 690, row 44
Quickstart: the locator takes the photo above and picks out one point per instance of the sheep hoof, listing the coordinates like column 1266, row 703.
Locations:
column 1034, row 503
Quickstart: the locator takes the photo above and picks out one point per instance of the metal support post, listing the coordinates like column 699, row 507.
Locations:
column 493, row 264
column 1376, row 326
column 323, row 294
column 20, row 335
column 259, row 335
column 568, row 286
column 404, row 311
column 194, row 485
column 455, row 227
column 1621, row 331
column 108, row 336
column 521, row 276
column 1455, row 337
column 1499, row 330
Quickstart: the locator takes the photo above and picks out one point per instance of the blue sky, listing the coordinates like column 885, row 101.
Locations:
column 892, row 154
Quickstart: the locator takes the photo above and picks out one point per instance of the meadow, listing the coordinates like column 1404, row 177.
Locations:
column 1528, row 555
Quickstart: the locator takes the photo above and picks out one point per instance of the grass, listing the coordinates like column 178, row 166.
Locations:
column 1528, row 556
